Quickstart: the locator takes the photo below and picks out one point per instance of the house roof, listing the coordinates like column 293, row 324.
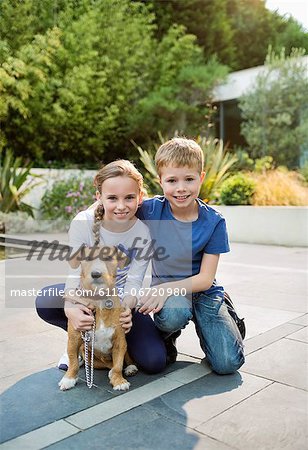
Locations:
column 239, row 83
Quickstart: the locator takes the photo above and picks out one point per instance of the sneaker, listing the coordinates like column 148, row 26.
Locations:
column 63, row 362
column 172, row 352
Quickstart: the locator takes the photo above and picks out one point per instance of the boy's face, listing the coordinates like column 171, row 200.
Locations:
column 181, row 185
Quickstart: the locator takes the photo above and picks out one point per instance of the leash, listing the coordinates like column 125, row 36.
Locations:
column 86, row 337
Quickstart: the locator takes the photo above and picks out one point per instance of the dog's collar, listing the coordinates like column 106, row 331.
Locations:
column 106, row 302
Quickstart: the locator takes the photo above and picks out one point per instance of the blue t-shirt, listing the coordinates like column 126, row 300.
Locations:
column 182, row 244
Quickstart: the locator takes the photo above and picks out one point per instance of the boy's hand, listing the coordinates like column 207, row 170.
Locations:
column 126, row 320
column 152, row 303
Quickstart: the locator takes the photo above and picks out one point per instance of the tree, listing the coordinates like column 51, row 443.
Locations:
column 238, row 32
column 275, row 112
column 207, row 20
column 289, row 34
column 181, row 88
column 74, row 101
column 88, row 76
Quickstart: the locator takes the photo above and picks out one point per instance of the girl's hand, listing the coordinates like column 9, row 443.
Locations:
column 153, row 303
column 126, row 320
column 80, row 316
column 130, row 301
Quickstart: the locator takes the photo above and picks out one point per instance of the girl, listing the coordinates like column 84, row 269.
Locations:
column 111, row 222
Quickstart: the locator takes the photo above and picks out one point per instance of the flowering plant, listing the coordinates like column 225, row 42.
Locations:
column 67, row 198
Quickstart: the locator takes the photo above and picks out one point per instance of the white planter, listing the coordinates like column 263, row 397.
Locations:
column 275, row 225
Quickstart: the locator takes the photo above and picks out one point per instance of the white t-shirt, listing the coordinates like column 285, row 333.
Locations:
column 135, row 242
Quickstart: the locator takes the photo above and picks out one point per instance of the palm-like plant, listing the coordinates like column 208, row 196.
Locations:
column 218, row 161
column 14, row 185
column 150, row 174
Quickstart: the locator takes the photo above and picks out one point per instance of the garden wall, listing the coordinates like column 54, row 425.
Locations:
column 275, row 225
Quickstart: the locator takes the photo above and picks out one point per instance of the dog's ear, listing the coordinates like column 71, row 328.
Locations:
column 78, row 256
column 123, row 259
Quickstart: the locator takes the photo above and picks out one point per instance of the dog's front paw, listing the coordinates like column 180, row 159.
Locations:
column 122, row 386
column 130, row 370
column 67, row 383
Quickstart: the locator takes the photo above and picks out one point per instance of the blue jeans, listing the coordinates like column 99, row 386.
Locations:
column 219, row 336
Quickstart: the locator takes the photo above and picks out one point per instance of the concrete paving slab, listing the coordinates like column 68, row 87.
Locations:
column 259, row 280
column 140, row 429
column 23, row 411
column 264, row 276
column 140, row 379
column 261, row 319
column 201, row 400
column 103, row 411
column 268, row 291
column 41, row 438
column 37, row 401
column 270, row 336
column 284, row 361
column 267, row 256
column 30, row 358
column 301, row 320
column 300, row 335
column 188, row 343
column 273, row 419
column 165, row 383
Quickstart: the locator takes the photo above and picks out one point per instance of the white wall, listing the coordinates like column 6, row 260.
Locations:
column 276, row 225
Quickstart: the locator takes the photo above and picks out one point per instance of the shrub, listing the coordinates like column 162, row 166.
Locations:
column 279, row 188
column 66, row 198
column 15, row 183
column 244, row 161
column 237, row 190
column 264, row 164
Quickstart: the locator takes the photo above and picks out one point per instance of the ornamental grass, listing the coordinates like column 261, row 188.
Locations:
column 279, row 187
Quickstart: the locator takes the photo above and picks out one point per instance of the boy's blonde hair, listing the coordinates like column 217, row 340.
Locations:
column 119, row 168
column 179, row 152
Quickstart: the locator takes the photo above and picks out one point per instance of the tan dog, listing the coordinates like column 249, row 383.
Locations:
column 98, row 276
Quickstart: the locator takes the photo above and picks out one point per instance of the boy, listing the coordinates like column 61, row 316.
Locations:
column 193, row 235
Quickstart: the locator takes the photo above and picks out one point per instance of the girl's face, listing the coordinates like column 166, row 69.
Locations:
column 120, row 197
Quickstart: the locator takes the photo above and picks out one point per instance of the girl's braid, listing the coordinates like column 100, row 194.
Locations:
column 98, row 217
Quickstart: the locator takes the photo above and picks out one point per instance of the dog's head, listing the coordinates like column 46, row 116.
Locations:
column 99, row 267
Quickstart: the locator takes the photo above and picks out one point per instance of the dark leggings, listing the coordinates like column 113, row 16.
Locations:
column 144, row 343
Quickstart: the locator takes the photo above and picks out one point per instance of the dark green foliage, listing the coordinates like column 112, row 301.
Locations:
column 82, row 78
column 237, row 31
column 66, row 198
column 237, row 190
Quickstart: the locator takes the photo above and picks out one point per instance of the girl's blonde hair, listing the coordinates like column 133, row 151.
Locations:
column 120, row 168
